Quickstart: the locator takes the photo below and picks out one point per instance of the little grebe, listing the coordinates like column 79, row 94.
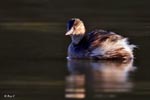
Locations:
column 98, row 44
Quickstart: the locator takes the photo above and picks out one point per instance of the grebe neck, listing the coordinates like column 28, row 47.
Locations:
column 76, row 39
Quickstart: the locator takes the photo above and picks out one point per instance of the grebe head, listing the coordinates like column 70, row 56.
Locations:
column 75, row 27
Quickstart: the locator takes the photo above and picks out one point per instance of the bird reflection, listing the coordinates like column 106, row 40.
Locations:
column 99, row 76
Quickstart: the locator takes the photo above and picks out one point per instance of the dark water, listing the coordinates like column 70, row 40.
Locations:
column 33, row 51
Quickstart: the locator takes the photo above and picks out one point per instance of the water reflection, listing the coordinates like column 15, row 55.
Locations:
column 98, row 76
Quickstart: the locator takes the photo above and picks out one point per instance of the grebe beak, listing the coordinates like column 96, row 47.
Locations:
column 70, row 32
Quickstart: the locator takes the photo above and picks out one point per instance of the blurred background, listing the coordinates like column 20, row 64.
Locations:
column 33, row 47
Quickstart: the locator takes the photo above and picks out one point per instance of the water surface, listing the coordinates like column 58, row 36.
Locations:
column 33, row 50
